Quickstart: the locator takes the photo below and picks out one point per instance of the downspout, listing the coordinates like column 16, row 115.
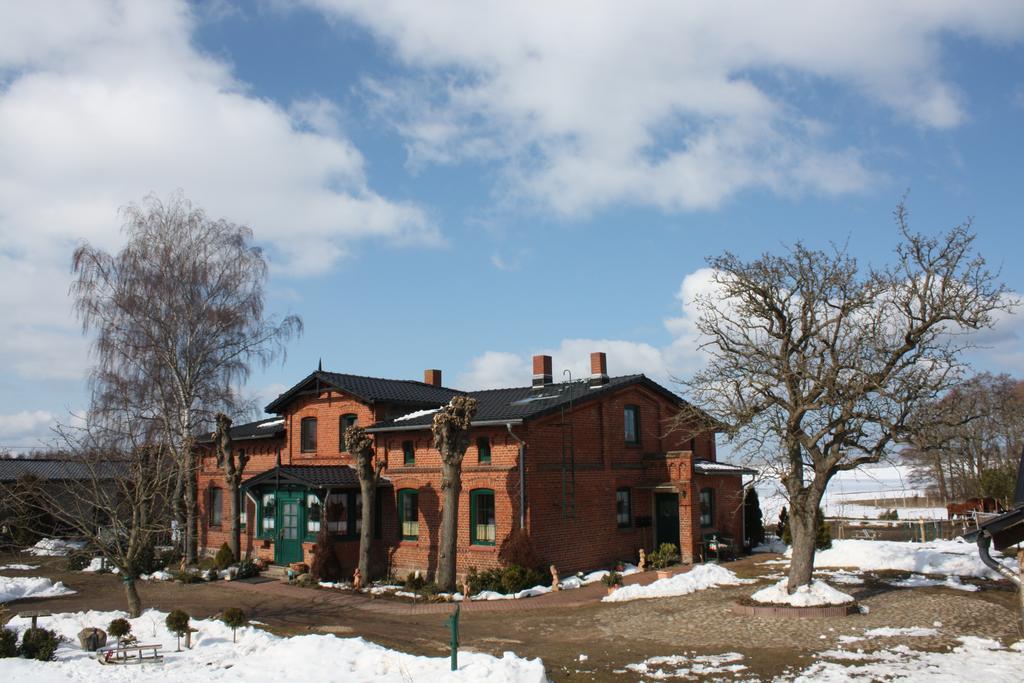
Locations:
column 522, row 475
column 984, row 541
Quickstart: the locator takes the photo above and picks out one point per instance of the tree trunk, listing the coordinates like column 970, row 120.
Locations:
column 367, row 487
column 178, row 503
column 451, row 484
column 235, row 542
column 803, row 532
column 1020, row 592
column 132, row 594
column 191, row 519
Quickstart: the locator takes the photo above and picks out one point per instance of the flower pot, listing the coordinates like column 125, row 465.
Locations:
column 664, row 573
column 612, row 589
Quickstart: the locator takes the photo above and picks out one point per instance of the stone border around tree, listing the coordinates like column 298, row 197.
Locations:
column 790, row 612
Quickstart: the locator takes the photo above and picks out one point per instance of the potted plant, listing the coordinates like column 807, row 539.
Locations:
column 666, row 554
column 612, row 580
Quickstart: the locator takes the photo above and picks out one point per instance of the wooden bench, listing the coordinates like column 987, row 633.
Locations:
column 131, row 654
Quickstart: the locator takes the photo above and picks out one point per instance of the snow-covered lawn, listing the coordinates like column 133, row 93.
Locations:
column 689, row 667
column 257, row 656
column 921, row 581
column 947, row 558
column 19, row 567
column 20, row 587
column 816, row 594
column 701, row 577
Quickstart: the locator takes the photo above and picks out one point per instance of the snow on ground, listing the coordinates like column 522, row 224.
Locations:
column 55, row 547
column 97, row 565
column 689, row 666
column 19, row 567
column 921, row 581
column 699, row 578
column 257, row 656
column 947, row 558
column 818, row 593
column 975, row 659
column 911, row 631
column 20, row 587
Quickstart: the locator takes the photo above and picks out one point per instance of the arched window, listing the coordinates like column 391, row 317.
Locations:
column 307, row 434
column 482, row 527
column 409, row 514
column 344, row 422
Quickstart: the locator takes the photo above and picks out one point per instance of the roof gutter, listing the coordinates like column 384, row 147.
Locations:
column 476, row 423
column 984, row 541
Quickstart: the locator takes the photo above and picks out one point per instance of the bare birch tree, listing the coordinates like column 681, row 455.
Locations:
column 817, row 364
column 451, row 428
column 180, row 309
column 360, row 446
column 233, row 466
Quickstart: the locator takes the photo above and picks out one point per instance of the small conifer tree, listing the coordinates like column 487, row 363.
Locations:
column 234, row 619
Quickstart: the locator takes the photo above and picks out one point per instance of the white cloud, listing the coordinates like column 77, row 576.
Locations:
column 677, row 359
column 660, row 103
column 104, row 102
column 26, row 425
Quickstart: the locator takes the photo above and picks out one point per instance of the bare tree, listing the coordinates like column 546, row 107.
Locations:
column 817, row 364
column 451, row 429
column 361, row 447
column 115, row 492
column 968, row 441
column 179, row 310
column 233, row 466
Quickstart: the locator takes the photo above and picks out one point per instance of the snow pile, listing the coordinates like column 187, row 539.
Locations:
column 842, row 577
column 19, row 567
column 97, row 565
column 920, row 581
column 699, row 578
column 21, row 587
column 936, row 557
column 159, row 575
column 890, row 632
column 55, row 547
column 688, row 667
column 975, row 659
column 818, row 593
column 257, row 656
column 525, row 593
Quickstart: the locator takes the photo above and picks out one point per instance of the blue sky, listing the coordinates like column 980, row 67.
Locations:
column 461, row 185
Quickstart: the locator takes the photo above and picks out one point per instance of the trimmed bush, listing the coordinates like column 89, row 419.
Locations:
column 119, row 628
column 177, row 623
column 8, row 643
column 224, row 558
column 414, row 581
column 39, row 643
column 234, row 619
column 507, row 580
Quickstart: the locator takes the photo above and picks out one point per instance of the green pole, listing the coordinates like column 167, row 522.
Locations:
column 453, row 625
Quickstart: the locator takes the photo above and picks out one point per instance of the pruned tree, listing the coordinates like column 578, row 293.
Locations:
column 451, row 429
column 817, row 364
column 233, row 466
column 179, row 311
column 360, row 447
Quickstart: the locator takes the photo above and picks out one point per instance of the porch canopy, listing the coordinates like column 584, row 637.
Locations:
column 315, row 477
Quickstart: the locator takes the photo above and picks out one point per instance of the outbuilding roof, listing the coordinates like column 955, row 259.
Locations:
column 52, row 469
column 368, row 389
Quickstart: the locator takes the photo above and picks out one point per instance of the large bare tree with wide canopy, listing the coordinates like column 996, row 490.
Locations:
column 177, row 318
column 817, row 363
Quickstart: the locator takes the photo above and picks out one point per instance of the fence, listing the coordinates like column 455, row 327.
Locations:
column 918, row 530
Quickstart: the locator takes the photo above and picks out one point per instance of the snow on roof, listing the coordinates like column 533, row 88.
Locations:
column 418, row 413
column 709, row 466
column 271, row 423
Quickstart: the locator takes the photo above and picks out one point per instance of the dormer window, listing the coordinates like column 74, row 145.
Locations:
column 307, row 435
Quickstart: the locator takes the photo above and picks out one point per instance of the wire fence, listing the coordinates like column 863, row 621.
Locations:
column 917, row 530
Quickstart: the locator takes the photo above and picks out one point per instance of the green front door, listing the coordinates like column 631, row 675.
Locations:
column 666, row 518
column 289, row 525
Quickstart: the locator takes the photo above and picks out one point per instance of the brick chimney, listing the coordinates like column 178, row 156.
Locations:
column 541, row 371
column 432, row 377
column 598, row 368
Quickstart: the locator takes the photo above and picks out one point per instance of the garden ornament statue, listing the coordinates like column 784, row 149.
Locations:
column 357, row 579
column 643, row 560
column 555, row 583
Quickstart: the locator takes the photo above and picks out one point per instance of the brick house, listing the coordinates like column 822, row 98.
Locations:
column 588, row 469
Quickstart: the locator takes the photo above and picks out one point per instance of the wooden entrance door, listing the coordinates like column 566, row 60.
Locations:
column 288, row 544
column 666, row 519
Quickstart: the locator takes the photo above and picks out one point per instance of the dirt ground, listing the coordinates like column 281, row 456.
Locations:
column 610, row 635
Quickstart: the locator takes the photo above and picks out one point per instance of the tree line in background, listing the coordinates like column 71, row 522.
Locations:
column 968, row 442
